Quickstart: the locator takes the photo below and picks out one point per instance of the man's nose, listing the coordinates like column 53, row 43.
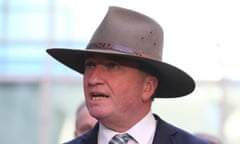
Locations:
column 96, row 75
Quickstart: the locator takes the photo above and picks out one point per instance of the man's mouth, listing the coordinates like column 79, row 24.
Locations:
column 98, row 96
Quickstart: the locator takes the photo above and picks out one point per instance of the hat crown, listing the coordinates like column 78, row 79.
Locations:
column 130, row 30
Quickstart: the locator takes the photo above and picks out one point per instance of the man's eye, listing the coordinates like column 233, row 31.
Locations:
column 112, row 65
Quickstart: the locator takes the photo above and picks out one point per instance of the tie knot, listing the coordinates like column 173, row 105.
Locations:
column 121, row 139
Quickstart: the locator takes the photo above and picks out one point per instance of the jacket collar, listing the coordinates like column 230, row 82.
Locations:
column 164, row 133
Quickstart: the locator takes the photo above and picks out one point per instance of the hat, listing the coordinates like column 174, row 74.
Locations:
column 134, row 36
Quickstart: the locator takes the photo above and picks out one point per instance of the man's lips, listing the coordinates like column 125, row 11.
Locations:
column 98, row 96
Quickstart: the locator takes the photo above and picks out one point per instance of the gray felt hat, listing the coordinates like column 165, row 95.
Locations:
column 131, row 35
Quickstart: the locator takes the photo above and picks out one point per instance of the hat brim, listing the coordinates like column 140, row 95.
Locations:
column 173, row 82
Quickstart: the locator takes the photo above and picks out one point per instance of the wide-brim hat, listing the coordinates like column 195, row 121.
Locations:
column 130, row 35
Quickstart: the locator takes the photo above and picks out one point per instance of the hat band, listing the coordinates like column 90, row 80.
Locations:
column 119, row 48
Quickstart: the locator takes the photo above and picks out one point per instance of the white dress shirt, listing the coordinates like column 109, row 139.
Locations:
column 142, row 132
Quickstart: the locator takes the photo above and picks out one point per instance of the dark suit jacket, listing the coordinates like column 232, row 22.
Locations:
column 165, row 134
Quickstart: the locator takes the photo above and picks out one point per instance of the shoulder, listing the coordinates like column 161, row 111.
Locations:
column 81, row 139
column 78, row 140
column 174, row 135
column 89, row 137
column 188, row 138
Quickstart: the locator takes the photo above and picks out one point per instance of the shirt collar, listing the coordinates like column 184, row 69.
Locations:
column 143, row 131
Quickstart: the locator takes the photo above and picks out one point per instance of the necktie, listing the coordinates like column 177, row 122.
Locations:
column 121, row 139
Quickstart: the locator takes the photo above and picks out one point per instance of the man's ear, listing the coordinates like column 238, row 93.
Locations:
column 150, row 86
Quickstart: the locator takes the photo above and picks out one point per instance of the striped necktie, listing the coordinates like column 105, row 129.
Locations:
column 122, row 139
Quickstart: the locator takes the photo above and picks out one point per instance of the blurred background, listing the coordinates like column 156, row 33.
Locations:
column 39, row 96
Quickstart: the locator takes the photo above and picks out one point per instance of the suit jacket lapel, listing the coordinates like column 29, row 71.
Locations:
column 164, row 132
column 91, row 137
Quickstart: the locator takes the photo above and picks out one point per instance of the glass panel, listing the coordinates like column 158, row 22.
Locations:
column 2, row 52
column 72, row 23
column 230, row 62
column 231, row 126
column 1, row 25
column 34, row 4
column 65, row 97
column 19, row 113
column 64, row 23
column 22, row 69
column 30, row 26
column 25, row 52
column 205, row 100
column 22, row 60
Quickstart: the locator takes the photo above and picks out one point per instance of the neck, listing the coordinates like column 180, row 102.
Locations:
column 123, row 124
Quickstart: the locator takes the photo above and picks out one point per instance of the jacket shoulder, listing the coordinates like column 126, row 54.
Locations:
column 89, row 137
column 78, row 140
column 171, row 134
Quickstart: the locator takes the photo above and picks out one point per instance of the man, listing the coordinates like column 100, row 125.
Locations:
column 84, row 121
column 123, row 72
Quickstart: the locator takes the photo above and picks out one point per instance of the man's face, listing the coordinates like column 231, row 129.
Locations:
column 114, row 89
